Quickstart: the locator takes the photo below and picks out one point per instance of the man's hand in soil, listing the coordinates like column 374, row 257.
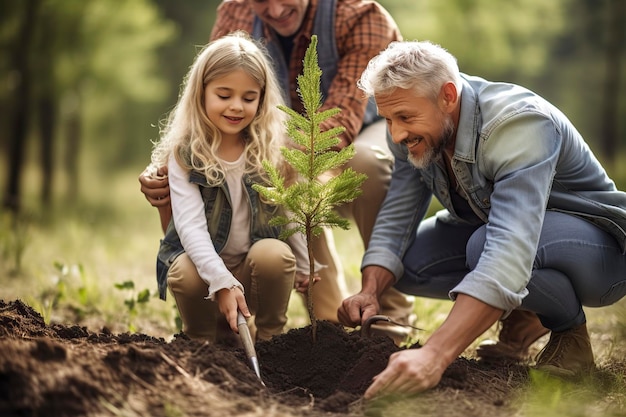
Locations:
column 415, row 370
column 356, row 309
column 408, row 372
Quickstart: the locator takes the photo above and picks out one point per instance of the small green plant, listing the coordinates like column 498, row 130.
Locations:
column 133, row 300
column 70, row 291
column 310, row 203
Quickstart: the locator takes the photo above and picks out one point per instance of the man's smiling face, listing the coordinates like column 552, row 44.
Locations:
column 284, row 16
column 418, row 123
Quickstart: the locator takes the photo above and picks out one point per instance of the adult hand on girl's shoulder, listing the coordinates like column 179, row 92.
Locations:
column 155, row 186
column 301, row 283
column 230, row 301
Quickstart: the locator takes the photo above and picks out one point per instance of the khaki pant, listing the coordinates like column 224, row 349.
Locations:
column 267, row 275
column 374, row 159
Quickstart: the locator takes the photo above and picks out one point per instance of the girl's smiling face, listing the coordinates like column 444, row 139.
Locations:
column 231, row 103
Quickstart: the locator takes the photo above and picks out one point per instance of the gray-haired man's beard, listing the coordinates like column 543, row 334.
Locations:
column 432, row 155
column 425, row 159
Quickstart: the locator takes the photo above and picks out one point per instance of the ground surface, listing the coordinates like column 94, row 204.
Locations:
column 58, row 370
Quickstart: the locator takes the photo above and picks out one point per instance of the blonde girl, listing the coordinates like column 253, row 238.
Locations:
column 219, row 245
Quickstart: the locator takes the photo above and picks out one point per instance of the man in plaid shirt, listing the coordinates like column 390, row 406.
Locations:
column 350, row 33
column 357, row 30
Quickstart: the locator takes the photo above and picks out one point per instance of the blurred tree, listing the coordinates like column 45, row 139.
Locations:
column 193, row 20
column 586, row 72
column 120, row 82
column 90, row 61
column 490, row 38
column 46, row 105
column 21, row 111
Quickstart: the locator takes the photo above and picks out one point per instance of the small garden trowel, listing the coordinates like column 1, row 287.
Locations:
column 248, row 344
column 366, row 327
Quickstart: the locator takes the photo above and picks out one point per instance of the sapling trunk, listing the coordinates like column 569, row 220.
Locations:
column 309, row 203
column 309, row 290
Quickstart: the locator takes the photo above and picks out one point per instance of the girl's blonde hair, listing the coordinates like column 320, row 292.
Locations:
column 190, row 134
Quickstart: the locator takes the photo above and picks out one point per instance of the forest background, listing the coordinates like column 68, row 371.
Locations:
column 84, row 85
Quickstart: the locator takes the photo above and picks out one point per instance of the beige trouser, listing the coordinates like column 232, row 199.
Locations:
column 374, row 159
column 267, row 275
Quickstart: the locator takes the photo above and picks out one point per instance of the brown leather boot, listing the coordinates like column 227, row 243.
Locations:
column 567, row 353
column 517, row 333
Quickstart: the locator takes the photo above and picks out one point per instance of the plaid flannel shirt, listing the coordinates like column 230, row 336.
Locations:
column 363, row 29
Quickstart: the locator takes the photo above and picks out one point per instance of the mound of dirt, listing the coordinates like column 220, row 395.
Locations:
column 73, row 371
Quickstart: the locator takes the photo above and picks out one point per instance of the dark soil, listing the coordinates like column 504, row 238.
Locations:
column 57, row 370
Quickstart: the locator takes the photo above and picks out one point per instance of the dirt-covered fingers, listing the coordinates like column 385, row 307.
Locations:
column 408, row 372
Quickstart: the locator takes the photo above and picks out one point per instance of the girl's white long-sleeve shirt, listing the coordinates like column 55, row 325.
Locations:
column 191, row 225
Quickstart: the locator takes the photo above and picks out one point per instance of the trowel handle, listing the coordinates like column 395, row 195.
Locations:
column 241, row 319
column 246, row 337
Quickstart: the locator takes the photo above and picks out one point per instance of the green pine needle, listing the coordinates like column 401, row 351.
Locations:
column 310, row 204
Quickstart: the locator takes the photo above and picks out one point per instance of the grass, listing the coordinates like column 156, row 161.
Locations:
column 66, row 263
column 73, row 257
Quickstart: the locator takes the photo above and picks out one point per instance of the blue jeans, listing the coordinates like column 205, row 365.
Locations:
column 577, row 264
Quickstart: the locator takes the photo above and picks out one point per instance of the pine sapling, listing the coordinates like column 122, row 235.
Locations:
column 309, row 202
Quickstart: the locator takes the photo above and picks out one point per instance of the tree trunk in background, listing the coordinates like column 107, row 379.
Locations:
column 73, row 129
column 47, row 124
column 22, row 111
column 614, row 50
column 47, row 102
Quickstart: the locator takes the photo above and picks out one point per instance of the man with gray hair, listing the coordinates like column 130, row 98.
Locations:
column 532, row 224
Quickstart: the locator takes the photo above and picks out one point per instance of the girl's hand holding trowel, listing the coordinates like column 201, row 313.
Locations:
column 230, row 301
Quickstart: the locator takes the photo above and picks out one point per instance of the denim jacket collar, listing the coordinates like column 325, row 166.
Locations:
column 469, row 125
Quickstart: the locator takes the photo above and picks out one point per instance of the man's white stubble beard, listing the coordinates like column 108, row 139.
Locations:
column 433, row 154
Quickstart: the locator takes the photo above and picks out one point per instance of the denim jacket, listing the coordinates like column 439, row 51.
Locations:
column 218, row 210
column 516, row 155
